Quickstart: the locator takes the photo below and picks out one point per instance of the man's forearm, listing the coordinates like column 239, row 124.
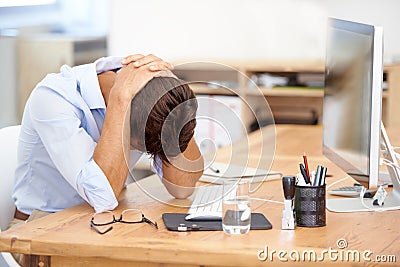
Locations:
column 109, row 153
column 181, row 175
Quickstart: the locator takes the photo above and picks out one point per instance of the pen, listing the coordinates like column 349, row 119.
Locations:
column 306, row 165
column 214, row 169
column 303, row 172
column 317, row 180
column 312, row 178
column 323, row 175
column 300, row 180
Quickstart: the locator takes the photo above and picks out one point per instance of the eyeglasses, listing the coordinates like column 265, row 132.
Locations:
column 127, row 216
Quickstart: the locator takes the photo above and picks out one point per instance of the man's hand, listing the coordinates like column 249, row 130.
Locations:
column 111, row 153
column 138, row 70
column 154, row 63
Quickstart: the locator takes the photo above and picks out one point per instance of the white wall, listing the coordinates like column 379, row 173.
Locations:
column 87, row 14
column 237, row 29
column 70, row 15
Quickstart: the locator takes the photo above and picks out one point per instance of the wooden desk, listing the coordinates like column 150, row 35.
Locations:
column 67, row 238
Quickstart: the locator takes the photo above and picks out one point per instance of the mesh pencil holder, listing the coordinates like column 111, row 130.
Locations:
column 309, row 205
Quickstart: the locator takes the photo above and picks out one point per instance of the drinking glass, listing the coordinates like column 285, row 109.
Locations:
column 236, row 212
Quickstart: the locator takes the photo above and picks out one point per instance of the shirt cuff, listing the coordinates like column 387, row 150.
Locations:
column 156, row 166
column 108, row 63
column 93, row 186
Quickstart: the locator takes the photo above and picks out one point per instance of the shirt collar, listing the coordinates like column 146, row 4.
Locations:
column 88, row 85
column 88, row 82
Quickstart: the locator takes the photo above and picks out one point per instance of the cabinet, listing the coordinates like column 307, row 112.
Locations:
column 299, row 104
column 41, row 54
column 8, row 96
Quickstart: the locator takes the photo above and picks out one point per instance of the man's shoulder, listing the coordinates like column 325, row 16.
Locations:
column 59, row 81
column 55, row 93
column 48, row 103
column 57, row 84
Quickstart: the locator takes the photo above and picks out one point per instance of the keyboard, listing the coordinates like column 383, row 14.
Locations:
column 207, row 204
column 348, row 191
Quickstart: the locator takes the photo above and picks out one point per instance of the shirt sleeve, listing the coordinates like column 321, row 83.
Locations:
column 155, row 163
column 156, row 166
column 108, row 63
column 70, row 147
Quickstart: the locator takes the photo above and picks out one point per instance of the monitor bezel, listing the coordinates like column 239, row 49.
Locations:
column 371, row 181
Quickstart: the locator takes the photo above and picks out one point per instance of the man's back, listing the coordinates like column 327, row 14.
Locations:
column 60, row 129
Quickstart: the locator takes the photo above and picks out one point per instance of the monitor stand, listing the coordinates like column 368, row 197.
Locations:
column 392, row 201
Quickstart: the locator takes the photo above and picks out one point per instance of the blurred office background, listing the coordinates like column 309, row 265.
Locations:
column 38, row 36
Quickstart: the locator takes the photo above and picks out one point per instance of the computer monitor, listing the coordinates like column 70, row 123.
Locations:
column 352, row 126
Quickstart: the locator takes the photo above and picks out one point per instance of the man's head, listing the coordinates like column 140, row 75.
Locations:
column 163, row 117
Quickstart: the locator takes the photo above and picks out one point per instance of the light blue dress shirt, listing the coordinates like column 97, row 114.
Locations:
column 61, row 126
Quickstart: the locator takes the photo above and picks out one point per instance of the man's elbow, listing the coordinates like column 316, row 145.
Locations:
column 183, row 193
column 178, row 191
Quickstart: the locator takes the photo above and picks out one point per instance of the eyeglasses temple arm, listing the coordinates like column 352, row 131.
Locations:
column 150, row 222
column 98, row 230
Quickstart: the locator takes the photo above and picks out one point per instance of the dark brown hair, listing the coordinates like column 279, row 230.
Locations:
column 163, row 117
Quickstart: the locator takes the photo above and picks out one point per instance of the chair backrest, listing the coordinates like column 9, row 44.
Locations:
column 8, row 162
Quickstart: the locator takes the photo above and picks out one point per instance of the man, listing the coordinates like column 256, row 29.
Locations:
column 71, row 146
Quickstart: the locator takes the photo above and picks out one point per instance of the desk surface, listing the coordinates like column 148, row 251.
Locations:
column 68, row 239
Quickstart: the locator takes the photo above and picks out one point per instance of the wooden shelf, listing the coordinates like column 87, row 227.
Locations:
column 202, row 89
column 252, row 65
column 282, row 98
column 286, row 92
column 284, row 66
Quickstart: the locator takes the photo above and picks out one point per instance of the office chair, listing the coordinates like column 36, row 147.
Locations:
column 8, row 162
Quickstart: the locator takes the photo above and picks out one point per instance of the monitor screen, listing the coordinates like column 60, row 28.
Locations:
column 349, row 102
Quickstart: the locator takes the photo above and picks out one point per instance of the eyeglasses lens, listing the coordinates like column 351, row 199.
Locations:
column 132, row 216
column 103, row 218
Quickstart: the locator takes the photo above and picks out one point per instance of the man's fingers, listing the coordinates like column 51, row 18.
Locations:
column 146, row 60
column 166, row 73
column 159, row 66
column 169, row 65
column 150, row 60
column 131, row 58
column 161, row 62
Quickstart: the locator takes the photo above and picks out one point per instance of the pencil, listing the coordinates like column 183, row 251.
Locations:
column 306, row 165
